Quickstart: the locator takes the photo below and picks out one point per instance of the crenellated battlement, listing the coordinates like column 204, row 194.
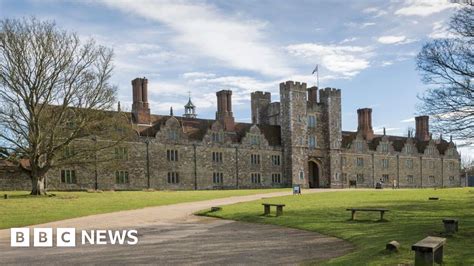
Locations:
column 293, row 86
column 262, row 94
column 259, row 103
column 330, row 92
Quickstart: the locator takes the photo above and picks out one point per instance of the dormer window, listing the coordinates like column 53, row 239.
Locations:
column 216, row 137
column 359, row 146
column 121, row 153
column 68, row 152
column 70, row 124
column 384, row 147
column 255, row 139
column 173, row 135
column 430, row 151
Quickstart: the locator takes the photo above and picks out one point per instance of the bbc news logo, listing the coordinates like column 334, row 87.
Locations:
column 66, row 237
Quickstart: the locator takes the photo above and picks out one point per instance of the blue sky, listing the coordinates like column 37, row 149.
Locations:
column 365, row 48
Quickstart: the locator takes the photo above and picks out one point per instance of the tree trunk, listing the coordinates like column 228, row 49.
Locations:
column 37, row 183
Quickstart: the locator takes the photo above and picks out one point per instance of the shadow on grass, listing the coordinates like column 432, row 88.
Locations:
column 29, row 196
column 23, row 196
column 366, row 221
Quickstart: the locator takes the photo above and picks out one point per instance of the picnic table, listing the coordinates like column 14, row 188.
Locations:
column 429, row 250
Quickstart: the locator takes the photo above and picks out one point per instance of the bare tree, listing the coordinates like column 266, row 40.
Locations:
column 467, row 164
column 54, row 89
column 4, row 153
column 448, row 65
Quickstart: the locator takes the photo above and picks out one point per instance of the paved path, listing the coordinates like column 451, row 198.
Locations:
column 172, row 235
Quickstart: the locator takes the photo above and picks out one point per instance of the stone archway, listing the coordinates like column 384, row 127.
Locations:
column 314, row 177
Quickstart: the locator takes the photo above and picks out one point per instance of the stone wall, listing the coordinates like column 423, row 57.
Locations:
column 294, row 131
column 11, row 178
column 194, row 165
column 331, row 101
column 435, row 171
column 147, row 163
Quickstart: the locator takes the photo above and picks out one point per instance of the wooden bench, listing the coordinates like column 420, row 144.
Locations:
column 352, row 183
column 215, row 209
column 279, row 208
column 429, row 250
column 354, row 210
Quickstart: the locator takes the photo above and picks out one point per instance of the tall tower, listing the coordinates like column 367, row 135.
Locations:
column 260, row 102
column 331, row 100
column 294, row 131
column 140, row 107
column 190, row 109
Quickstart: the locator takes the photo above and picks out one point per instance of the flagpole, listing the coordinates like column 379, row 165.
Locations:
column 317, row 78
column 316, row 69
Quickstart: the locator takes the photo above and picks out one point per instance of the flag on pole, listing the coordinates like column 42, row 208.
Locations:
column 316, row 70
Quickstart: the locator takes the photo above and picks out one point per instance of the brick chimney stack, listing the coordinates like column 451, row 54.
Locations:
column 313, row 94
column 422, row 128
column 224, row 109
column 365, row 123
column 140, row 106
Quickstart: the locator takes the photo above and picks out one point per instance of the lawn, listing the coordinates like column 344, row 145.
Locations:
column 411, row 218
column 21, row 209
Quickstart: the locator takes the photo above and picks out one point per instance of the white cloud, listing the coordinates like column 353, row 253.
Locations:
column 360, row 25
column 386, row 63
column 408, row 120
column 347, row 61
column 376, row 12
column 466, row 149
column 241, row 86
column 440, row 31
column 195, row 75
column 424, row 8
column 201, row 29
column 346, row 40
column 367, row 24
column 394, row 39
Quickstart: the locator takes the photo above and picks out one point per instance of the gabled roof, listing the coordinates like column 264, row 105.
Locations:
column 398, row 142
column 196, row 129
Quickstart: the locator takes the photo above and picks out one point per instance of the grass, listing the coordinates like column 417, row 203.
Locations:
column 22, row 209
column 411, row 218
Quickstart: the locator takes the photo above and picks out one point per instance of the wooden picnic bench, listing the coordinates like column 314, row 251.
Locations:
column 429, row 250
column 354, row 210
column 352, row 183
column 279, row 208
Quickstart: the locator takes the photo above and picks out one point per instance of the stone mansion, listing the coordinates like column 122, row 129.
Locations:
column 298, row 140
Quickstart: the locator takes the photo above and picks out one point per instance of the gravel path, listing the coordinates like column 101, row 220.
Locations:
column 172, row 235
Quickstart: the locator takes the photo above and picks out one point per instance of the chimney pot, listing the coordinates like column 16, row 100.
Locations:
column 140, row 107
column 422, row 128
column 365, row 123
column 224, row 109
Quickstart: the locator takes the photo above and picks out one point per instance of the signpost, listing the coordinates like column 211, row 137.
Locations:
column 296, row 189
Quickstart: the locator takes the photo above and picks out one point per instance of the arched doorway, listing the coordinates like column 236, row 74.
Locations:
column 314, row 174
